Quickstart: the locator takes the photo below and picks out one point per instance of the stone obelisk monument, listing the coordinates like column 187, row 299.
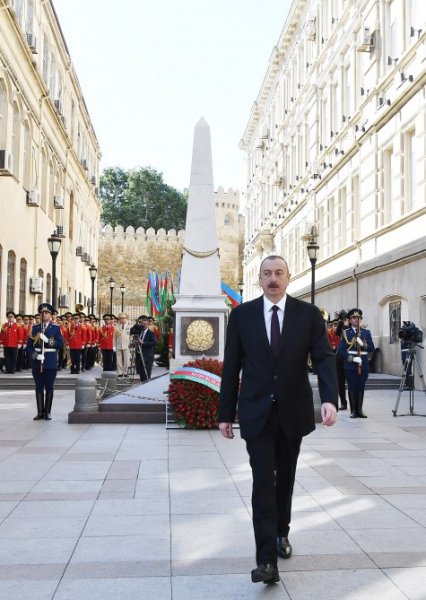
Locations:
column 200, row 307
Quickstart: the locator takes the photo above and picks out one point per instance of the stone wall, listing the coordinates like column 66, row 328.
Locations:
column 128, row 255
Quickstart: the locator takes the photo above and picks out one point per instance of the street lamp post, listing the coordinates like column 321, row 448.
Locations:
column 93, row 270
column 241, row 289
column 313, row 248
column 54, row 245
column 122, row 290
column 111, row 289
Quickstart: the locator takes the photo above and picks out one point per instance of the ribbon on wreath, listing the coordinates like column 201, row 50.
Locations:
column 198, row 376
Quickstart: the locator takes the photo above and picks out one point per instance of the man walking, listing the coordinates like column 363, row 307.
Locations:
column 269, row 339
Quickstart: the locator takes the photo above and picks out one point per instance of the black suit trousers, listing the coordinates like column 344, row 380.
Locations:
column 273, row 460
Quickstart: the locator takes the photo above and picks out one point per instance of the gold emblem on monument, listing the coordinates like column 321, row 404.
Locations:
column 199, row 335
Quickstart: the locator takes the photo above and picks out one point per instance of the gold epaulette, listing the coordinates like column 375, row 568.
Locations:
column 351, row 343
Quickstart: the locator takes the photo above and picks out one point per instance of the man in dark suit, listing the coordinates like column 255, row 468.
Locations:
column 269, row 340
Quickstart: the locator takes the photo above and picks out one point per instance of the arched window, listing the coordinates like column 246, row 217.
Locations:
column 229, row 220
column 51, row 189
column 16, row 139
column 71, row 217
column 22, row 285
column 10, row 292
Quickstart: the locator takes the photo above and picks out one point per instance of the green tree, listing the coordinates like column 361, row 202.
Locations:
column 139, row 197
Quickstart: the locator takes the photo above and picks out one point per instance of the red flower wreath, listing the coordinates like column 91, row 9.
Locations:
column 194, row 405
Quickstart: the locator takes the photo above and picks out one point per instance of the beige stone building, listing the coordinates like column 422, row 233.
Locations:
column 127, row 255
column 336, row 139
column 49, row 163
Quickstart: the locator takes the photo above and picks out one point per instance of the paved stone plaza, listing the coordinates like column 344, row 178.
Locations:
column 132, row 512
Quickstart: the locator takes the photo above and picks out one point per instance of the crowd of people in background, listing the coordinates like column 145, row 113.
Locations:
column 114, row 343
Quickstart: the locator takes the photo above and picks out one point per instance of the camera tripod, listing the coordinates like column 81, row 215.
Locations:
column 407, row 381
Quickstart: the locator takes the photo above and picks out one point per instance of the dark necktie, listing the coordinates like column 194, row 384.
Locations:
column 275, row 330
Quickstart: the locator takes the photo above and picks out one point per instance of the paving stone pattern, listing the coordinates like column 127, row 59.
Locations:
column 141, row 512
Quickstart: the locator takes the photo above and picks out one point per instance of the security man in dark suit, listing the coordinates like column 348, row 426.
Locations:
column 43, row 344
column 355, row 344
column 145, row 350
column 269, row 339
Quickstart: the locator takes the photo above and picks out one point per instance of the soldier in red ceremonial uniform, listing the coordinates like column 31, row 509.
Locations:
column 106, row 343
column 20, row 362
column 76, row 342
column 12, row 341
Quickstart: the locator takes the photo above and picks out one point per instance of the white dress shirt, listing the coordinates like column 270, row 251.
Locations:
column 267, row 313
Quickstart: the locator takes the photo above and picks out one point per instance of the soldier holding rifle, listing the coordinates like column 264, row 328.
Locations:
column 354, row 347
column 43, row 344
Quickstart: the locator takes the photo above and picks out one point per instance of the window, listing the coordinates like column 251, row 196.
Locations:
column 46, row 55
column 16, row 131
column 49, row 289
column 27, row 156
column 2, row 115
column 394, row 321
column 29, row 26
column 43, row 180
column 41, row 274
column 71, row 218
column 388, row 183
column 10, row 291
column 22, row 286
column 1, row 272
column 412, row 194
column 395, row 46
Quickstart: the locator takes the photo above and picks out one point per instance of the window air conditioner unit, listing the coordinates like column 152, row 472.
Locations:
column 60, row 231
column 36, row 285
column 6, row 163
column 79, row 251
column 93, row 180
column 367, row 40
column 265, row 134
column 84, row 257
column 32, row 42
column 279, row 181
column 64, row 121
column 64, row 301
column 83, row 162
column 58, row 106
column 58, row 202
column 33, row 197
column 316, row 170
column 258, row 145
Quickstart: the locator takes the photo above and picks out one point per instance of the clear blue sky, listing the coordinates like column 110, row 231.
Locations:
column 149, row 69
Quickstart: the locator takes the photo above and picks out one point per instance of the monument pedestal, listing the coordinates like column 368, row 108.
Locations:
column 199, row 328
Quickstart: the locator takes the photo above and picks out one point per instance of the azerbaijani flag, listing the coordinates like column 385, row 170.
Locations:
column 233, row 296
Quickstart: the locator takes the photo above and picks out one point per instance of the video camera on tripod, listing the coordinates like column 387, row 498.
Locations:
column 410, row 334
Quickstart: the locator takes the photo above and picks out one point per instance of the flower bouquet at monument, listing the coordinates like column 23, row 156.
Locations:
column 194, row 393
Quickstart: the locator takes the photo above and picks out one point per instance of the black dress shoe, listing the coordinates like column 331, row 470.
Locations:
column 343, row 407
column 353, row 415
column 362, row 415
column 265, row 574
column 284, row 548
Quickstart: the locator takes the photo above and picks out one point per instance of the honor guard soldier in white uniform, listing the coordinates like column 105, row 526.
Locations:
column 43, row 344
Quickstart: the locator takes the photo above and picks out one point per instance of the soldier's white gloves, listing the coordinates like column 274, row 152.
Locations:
column 358, row 360
column 40, row 357
column 44, row 338
column 359, row 340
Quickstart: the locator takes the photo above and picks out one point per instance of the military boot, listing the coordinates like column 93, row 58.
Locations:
column 40, row 406
column 48, row 405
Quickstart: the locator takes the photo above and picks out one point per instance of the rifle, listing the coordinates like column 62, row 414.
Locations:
column 358, row 352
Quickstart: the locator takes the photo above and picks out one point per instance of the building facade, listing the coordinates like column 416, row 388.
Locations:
column 49, row 163
column 335, row 144
column 128, row 255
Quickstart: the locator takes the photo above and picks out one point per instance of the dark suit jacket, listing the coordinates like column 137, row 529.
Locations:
column 284, row 377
